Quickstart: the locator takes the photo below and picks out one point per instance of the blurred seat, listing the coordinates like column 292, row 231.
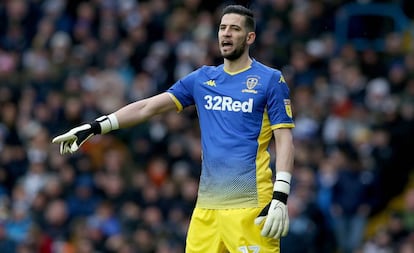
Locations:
column 366, row 25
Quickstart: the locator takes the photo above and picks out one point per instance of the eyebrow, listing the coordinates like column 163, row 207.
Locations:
column 231, row 25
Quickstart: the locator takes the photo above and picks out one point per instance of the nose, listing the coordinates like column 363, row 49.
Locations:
column 226, row 32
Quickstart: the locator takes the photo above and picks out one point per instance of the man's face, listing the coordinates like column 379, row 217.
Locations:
column 232, row 36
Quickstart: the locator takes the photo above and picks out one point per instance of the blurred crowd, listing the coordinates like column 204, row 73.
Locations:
column 66, row 62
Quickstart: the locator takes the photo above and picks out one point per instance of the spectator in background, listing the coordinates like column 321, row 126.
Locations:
column 310, row 230
column 6, row 243
column 350, row 201
column 83, row 201
column 54, row 229
column 19, row 224
column 303, row 231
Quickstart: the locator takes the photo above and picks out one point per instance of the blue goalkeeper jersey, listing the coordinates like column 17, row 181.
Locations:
column 237, row 113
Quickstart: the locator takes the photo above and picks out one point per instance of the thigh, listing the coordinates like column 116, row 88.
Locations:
column 241, row 235
column 203, row 233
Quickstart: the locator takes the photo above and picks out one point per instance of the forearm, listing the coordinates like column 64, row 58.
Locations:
column 140, row 111
column 284, row 150
column 132, row 114
column 284, row 164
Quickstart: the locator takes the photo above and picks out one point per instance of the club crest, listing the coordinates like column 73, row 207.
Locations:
column 251, row 82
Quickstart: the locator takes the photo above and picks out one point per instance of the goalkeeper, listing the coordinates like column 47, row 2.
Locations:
column 241, row 104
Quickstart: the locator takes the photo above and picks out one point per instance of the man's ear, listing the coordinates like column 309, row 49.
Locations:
column 251, row 37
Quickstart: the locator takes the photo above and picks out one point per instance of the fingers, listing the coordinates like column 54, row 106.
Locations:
column 62, row 138
column 262, row 215
column 73, row 147
column 57, row 139
column 62, row 147
column 285, row 227
column 66, row 142
column 259, row 220
column 276, row 229
column 267, row 227
column 276, row 222
column 68, row 147
column 65, row 148
column 273, row 227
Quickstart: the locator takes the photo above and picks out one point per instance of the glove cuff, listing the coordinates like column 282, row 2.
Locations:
column 281, row 196
column 281, row 188
column 107, row 123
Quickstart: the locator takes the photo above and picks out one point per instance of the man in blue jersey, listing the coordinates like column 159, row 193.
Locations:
column 242, row 104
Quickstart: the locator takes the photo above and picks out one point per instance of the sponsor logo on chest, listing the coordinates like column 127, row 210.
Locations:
column 225, row 103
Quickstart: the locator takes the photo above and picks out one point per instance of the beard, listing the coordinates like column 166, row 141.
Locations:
column 235, row 54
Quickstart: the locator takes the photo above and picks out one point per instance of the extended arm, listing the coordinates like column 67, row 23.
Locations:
column 126, row 116
column 275, row 213
column 142, row 110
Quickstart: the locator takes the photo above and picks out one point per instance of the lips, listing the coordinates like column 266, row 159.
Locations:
column 226, row 44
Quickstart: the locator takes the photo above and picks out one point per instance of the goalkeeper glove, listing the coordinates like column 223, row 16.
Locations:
column 74, row 138
column 275, row 213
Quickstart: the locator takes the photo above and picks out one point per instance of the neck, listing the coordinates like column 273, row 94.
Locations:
column 236, row 65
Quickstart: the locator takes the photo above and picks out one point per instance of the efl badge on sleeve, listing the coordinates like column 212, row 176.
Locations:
column 287, row 107
column 282, row 79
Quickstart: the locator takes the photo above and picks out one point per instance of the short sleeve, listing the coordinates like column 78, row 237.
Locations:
column 278, row 102
column 183, row 90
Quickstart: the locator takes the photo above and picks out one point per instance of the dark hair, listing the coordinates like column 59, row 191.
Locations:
column 241, row 10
